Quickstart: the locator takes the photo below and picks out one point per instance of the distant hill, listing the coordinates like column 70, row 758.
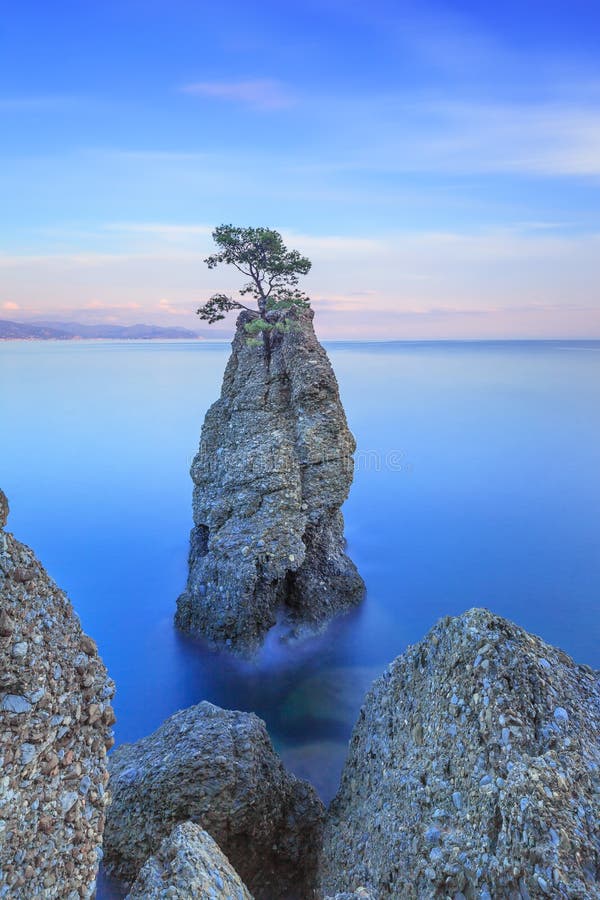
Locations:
column 70, row 331
column 18, row 331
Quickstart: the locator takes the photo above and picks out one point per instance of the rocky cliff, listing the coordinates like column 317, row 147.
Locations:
column 55, row 718
column 216, row 768
column 473, row 773
column 273, row 469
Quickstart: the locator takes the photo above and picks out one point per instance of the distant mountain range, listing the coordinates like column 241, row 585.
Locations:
column 72, row 331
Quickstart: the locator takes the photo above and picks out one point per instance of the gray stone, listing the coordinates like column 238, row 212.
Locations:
column 68, row 800
column 433, row 834
column 28, row 753
column 188, row 864
column 360, row 893
column 561, row 715
column 15, row 703
column 218, row 769
column 543, row 821
column 274, row 467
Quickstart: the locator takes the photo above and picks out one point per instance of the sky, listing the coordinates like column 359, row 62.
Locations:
column 438, row 162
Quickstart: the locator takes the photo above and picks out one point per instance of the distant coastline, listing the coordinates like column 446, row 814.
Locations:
column 51, row 330
column 75, row 331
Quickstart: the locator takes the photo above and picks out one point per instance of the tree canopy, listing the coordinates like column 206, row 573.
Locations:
column 273, row 272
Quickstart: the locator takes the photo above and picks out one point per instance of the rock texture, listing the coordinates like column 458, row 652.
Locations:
column 473, row 772
column 360, row 893
column 188, row 864
column 55, row 718
column 218, row 769
column 274, row 467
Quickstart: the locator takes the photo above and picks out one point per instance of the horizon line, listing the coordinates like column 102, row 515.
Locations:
column 202, row 340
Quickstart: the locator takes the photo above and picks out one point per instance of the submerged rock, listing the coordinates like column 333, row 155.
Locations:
column 333, row 695
column 188, row 864
column 274, row 467
column 473, row 772
column 55, row 721
column 218, row 769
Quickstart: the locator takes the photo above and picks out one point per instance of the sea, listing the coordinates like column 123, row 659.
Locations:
column 477, row 483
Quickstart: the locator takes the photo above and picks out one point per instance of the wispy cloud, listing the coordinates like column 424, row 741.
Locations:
column 538, row 139
column 162, row 229
column 173, row 309
column 261, row 94
column 99, row 304
column 66, row 261
column 9, row 306
column 151, row 156
column 454, row 135
column 503, row 282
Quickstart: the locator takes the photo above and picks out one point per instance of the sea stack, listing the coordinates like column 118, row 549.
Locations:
column 473, row 773
column 55, row 730
column 274, row 467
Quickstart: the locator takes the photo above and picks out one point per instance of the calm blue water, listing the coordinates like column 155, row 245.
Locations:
column 478, row 484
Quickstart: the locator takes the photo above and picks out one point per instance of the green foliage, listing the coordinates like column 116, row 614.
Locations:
column 257, row 325
column 287, row 299
column 260, row 326
column 216, row 308
column 273, row 270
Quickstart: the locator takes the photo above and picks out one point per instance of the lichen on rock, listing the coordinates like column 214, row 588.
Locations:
column 55, row 730
column 216, row 768
column 274, row 467
column 473, row 772
column 188, row 864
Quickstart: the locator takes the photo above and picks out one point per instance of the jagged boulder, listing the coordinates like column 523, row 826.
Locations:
column 473, row 772
column 188, row 864
column 216, row 768
column 55, row 729
column 274, row 467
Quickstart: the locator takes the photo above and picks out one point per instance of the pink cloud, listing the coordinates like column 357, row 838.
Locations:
column 173, row 309
column 98, row 304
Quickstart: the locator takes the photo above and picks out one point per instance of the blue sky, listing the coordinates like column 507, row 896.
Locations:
column 440, row 163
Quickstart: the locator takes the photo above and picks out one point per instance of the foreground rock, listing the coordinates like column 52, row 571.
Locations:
column 473, row 772
column 188, row 864
column 55, row 718
column 218, row 769
column 273, row 469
